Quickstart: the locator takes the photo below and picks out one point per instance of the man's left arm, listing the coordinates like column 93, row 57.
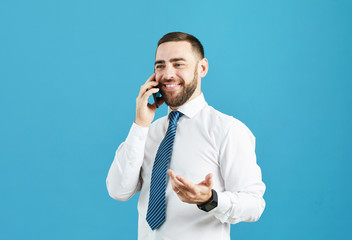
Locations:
column 242, row 199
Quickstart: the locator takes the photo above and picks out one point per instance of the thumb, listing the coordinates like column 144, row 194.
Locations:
column 171, row 173
column 209, row 179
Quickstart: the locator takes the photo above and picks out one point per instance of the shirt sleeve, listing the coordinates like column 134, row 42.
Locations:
column 242, row 199
column 123, row 180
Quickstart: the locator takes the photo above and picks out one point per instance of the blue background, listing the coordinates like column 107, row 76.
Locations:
column 70, row 72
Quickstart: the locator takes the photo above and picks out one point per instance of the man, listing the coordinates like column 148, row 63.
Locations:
column 195, row 169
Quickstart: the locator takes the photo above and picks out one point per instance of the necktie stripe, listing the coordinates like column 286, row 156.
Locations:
column 155, row 209
column 163, row 156
column 158, row 188
column 169, row 142
column 159, row 173
column 166, row 143
column 159, row 177
column 157, row 199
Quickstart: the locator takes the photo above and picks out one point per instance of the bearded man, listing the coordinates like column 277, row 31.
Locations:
column 195, row 168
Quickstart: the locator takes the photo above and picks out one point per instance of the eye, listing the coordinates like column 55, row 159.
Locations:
column 178, row 64
column 159, row 66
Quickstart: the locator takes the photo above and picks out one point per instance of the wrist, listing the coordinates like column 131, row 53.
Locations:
column 207, row 199
column 211, row 203
column 141, row 123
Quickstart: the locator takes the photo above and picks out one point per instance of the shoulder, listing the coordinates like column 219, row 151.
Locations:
column 219, row 117
column 225, row 123
column 158, row 122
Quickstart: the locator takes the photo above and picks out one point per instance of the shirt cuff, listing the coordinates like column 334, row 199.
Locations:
column 224, row 208
column 137, row 136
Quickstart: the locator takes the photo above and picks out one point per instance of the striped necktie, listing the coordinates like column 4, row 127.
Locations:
column 157, row 206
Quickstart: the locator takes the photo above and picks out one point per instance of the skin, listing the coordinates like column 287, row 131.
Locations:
column 176, row 64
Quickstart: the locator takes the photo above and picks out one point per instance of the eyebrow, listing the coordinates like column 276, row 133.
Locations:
column 171, row 60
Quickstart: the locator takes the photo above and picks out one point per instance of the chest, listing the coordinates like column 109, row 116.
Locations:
column 195, row 151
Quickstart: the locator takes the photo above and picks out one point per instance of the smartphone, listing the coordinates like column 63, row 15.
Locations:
column 156, row 96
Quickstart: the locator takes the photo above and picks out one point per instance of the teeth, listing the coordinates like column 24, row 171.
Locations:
column 171, row 85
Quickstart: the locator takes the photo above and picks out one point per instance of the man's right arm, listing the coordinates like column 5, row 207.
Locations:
column 123, row 179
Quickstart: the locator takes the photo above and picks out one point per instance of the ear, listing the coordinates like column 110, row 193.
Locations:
column 203, row 67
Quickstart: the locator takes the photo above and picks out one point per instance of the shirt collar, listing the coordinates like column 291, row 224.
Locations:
column 191, row 108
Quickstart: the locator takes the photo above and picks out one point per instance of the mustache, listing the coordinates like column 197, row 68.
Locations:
column 178, row 81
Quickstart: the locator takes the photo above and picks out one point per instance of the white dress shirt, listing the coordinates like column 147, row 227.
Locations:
column 206, row 141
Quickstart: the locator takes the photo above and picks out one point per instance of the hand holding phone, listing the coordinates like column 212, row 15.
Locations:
column 145, row 111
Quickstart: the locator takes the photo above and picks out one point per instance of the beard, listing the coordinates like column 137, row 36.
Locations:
column 182, row 97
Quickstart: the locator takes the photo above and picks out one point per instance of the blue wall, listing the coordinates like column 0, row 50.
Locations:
column 70, row 72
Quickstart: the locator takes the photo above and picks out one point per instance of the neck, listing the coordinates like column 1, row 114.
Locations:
column 195, row 94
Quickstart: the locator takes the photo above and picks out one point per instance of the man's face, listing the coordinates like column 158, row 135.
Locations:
column 176, row 69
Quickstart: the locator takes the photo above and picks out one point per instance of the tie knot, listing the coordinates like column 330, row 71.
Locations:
column 174, row 116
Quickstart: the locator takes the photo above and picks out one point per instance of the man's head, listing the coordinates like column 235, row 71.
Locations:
column 179, row 67
column 197, row 47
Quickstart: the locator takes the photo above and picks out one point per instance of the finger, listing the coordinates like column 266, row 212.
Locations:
column 152, row 79
column 176, row 190
column 172, row 175
column 186, row 185
column 145, row 87
column 173, row 185
column 182, row 196
column 185, row 182
column 175, row 181
column 209, row 179
column 149, row 80
column 148, row 93
column 177, row 184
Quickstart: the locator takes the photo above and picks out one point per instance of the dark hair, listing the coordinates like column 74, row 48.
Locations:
column 181, row 36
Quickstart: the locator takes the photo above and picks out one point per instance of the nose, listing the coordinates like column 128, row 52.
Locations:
column 169, row 73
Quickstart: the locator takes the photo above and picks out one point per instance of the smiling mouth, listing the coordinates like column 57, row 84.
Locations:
column 171, row 86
